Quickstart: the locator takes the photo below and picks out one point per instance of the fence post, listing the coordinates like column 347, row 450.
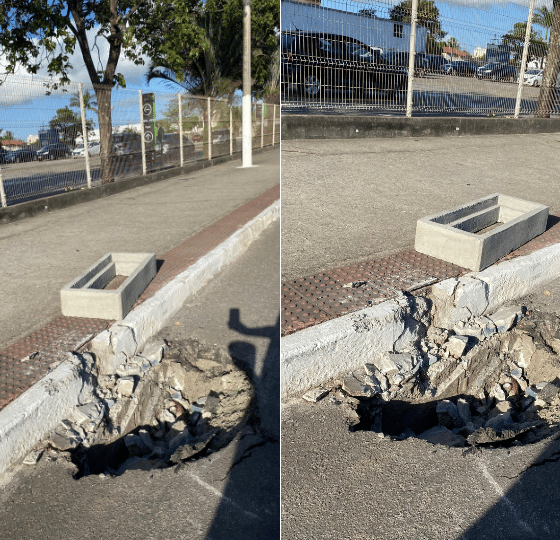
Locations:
column 411, row 57
column 263, row 105
column 230, row 131
column 180, row 129
column 2, row 192
column 84, row 133
column 209, row 120
column 273, row 123
column 524, row 60
column 143, row 143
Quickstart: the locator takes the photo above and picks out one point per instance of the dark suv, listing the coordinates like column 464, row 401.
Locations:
column 54, row 151
column 497, row 72
column 312, row 62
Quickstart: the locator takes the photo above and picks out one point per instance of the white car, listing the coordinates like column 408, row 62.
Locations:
column 533, row 77
column 79, row 151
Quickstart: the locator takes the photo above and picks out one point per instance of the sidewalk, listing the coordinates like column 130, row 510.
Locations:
column 233, row 493
column 329, row 294
column 44, row 253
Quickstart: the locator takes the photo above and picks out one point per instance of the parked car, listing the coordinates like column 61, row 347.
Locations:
column 533, row 77
column 459, row 67
column 54, row 151
column 497, row 72
column 127, row 144
column 313, row 62
column 24, row 154
column 402, row 58
column 433, row 62
column 170, row 147
column 94, row 149
column 4, row 155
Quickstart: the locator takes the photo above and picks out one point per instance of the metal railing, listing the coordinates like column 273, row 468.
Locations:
column 44, row 150
column 415, row 57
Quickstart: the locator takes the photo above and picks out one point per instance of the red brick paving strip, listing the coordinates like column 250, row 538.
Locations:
column 49, row 345
column 309, row 301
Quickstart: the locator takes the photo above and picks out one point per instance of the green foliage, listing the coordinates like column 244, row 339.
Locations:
column 190, row 112
column 427, row 16
column 544, row 17
column 6, row 135
column 68, row 124
column 516, row 40
column 199, row 45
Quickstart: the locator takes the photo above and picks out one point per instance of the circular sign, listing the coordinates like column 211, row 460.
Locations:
column 147, row 109
column 149, row 136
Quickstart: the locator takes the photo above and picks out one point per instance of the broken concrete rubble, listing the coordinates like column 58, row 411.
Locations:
column 190, row 401
column 477, row 396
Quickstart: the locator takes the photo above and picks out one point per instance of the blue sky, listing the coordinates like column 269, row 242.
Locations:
column 474, row 23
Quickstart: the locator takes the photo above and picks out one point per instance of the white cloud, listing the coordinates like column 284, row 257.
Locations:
column 23, row 87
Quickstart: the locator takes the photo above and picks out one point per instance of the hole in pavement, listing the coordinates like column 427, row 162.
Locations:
column 467, row 387
column 158, row 411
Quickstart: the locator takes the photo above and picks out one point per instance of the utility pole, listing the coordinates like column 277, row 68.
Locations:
column 247, row 132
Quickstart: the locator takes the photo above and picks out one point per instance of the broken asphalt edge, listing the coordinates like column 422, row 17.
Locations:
column 317, row 354
column 37, row 412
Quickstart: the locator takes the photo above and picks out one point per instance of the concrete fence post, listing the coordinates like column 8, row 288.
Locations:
column 230, row 131
column 273, row 123
column 209, row 120
column 2, row 192
column 181, row 160
column 411, row 57
column 524, row 60
column 143, row 143
column 84, row 133
column 262, row 122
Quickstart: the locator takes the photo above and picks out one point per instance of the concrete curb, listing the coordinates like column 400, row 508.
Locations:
column 332, row 126
column 127, row 337
column 314, row 355
column 38, row 411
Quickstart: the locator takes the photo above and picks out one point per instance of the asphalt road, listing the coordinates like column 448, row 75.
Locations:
column 349, row 201
column 234, row 493
column 343, row 484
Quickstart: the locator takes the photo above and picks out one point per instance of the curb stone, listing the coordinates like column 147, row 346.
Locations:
column 314, row 355
column 38, row 411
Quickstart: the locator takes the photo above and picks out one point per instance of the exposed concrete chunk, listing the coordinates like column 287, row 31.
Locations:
column 316, row 394
column 456, row 345
column 448, row 415
column 442, row 435
column 464, row 411
column 506, row 317
column 355, row 388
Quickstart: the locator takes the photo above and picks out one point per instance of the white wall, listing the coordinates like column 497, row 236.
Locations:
column 375, row 32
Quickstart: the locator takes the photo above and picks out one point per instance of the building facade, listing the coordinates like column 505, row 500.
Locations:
column 363, row 25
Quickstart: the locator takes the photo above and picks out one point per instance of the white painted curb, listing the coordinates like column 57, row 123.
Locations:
column 315, row 355
column 127, row 337
column 40, row 409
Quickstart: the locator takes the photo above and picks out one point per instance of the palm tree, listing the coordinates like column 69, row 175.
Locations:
column 90, row 104
column 543, row 17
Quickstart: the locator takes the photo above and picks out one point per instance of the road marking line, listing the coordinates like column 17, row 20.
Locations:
column 218, row 493
column 503, row 496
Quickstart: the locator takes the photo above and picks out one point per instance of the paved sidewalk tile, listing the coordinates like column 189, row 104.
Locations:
column 25, row 362
column 311, row 300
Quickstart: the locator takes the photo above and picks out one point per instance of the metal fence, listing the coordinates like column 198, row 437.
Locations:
column 446, row 57
column 45, row 153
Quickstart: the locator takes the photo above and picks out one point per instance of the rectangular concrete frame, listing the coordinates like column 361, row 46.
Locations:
column 451, row 235
column 85, row 297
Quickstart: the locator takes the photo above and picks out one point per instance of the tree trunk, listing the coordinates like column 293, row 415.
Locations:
column 103, row 94
column 550, row 75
